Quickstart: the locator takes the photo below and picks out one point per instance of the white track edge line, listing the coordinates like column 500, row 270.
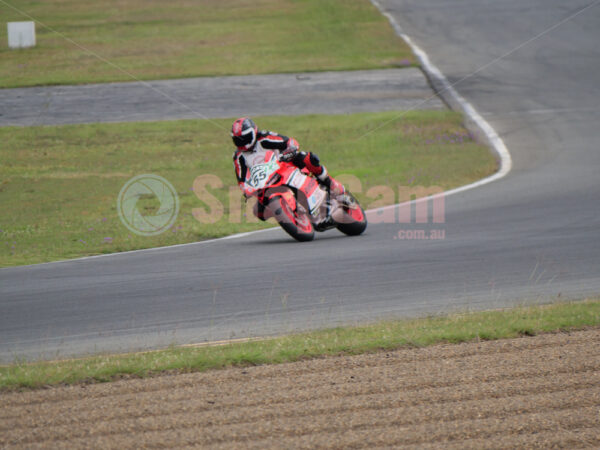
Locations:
column 494, row 140
column 492, row 137
column 208, row 241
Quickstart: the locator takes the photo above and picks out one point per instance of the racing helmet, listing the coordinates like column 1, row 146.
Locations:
column 243, row 133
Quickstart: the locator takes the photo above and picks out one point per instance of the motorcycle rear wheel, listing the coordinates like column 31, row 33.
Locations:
column 297, row 225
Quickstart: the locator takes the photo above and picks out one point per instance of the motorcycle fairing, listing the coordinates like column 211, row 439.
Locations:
column 307, row 185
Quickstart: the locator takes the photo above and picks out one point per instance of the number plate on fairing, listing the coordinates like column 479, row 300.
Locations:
column 260, row 174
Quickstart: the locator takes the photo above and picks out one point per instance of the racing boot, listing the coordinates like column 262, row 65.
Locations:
column 312, row 163
column 335, row 187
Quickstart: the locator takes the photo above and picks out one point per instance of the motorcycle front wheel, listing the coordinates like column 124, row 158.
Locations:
column 354, row 219
column 296, row 224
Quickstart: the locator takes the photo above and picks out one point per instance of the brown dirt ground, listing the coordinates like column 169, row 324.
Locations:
column 530, row 392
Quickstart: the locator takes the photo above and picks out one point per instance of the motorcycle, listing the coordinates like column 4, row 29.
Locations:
column 297, row 201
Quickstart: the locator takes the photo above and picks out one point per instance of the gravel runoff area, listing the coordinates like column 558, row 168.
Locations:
column 220, row 97
column 541, row 391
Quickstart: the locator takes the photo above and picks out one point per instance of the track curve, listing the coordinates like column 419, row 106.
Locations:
column 534, row 235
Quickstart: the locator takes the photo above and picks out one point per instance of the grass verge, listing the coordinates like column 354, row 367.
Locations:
column 389, row 335
column 152, row 39
column 59, row 185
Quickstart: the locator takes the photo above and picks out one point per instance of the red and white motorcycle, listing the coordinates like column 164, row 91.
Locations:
column 297, row 201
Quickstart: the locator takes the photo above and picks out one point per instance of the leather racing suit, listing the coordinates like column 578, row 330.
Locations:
column 288, row 150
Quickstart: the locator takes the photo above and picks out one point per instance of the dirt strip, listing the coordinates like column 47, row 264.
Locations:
column 534, row 392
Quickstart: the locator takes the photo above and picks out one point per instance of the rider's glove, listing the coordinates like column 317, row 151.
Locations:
column 291, row 150
column 287, row 155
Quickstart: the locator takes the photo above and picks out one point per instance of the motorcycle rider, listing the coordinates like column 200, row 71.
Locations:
column 248, row 138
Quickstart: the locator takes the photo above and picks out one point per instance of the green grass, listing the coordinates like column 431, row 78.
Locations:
column 389, row 335
column 59, row 185
column 152, row 39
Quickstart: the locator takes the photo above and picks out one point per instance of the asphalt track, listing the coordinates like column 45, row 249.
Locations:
column 531, row 236
column 219, row 97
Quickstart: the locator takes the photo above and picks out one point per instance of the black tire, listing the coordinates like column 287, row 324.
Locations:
column 288, row 220
column 350, row 226
column 352, row 229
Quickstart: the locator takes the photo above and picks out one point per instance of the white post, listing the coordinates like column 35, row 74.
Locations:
column 21, row 34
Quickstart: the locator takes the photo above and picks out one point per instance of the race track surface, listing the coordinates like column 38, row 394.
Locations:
column 532, row 236
column 214, row 97
column 540, row 392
